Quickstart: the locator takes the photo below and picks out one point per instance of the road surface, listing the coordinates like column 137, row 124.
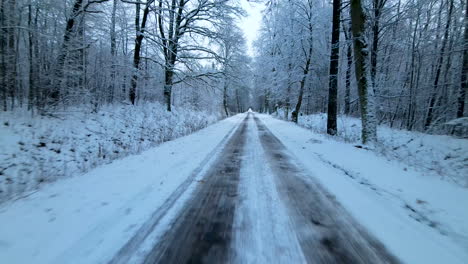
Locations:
column 253, row 204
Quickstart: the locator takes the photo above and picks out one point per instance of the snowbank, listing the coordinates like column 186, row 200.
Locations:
column 420, row 219
column 43, row 149
column 436, row 155
column 88, row 219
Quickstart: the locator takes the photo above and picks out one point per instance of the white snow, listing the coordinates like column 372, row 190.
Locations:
column 87, row 219
column 263, row 231
column 42, row 149
column 382, row 195
column 438, row 156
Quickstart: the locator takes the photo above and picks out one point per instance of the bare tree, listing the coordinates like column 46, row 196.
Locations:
column 377, row 6
column 232, row 45
column 98, row 53
column 113, row 43
column 140, row 29
column 54, row 93
column 440, row 61
column 177, row 18
column 307, row 48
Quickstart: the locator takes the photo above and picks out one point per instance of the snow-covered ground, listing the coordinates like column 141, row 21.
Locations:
column 433, row 155
column 42, row 149
column 87, row 219
column 421, row 219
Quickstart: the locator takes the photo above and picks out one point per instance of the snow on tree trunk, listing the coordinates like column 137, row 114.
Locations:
column 295, row 113
column 307, row 51
column 362, row 71
column 54, row 94
column 113, row 40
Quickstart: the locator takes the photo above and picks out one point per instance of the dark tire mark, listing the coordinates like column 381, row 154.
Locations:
column 326, row 232
column 127, row 251
column 202, row 233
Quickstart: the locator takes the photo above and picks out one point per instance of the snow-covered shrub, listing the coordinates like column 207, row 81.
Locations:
column 43, row 149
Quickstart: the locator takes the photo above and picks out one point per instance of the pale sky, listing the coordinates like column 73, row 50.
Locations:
column 251, row 23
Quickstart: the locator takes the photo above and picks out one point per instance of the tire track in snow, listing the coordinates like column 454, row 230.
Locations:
column 326, row 232
column 263, row 232
column 132, row 247
column 202, row 233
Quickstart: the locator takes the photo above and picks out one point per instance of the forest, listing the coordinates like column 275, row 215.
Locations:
column 89, row 53
column 402, row 63
column 408, row 68
column 233, row 131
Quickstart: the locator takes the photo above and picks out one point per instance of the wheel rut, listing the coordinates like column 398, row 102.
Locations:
column 326, row 232
column 202, row 233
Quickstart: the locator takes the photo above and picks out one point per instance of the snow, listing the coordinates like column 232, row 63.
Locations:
column 42, row 149
column 420, row 219
column 260, row 204
column 438, row 156
column 87, row 219
column 462, row 121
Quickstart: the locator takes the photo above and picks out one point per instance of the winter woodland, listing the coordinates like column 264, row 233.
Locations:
column 83, row 82
column 56, row 55
column 402, row 63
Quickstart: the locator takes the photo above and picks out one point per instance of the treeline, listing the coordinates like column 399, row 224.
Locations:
column 411, row 56
column 60, row 54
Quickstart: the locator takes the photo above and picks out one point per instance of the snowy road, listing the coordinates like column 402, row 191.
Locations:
column 255, row 204
column 235, row 192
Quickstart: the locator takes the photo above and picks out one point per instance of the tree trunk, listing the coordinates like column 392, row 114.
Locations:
column 295, row 113
column 140, row 31
column 238, row 101
column 60, row 62
column 140, row 34
column 81, row 62
column 464, row 72
column 113, row 41
column 170, row 43
column 32, row 65
column 440, row 60
column 361, row 54
column 267, row 101
column 411, row 78
column 288, row 93
column 333, row 76
column 442, row 102
column 11, row 52
column 225, row 99
column 349, row 59
column 3, row 66
column 377, row 6
column 168, row 82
